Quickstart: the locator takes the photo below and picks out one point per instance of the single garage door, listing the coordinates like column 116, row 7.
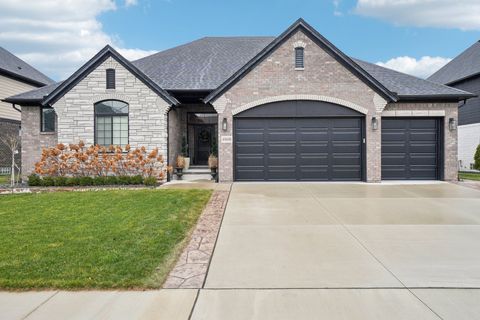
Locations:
column 411, row 148
column 323, row 146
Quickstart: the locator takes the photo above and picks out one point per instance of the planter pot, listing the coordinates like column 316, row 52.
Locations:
column 179, row 173
column 213, row 172
column 187, row 163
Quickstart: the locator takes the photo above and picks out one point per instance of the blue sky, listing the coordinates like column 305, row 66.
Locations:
column 157, row 25
column 413, row 36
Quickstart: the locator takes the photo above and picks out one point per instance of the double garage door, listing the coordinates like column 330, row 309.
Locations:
column 317, row 141
column 299, row 140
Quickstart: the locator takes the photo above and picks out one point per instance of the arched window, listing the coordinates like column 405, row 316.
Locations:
column 111, row 123
column 299, row 58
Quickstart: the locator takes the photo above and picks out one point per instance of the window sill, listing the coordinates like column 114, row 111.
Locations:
column 47, row 132
column 299, row 69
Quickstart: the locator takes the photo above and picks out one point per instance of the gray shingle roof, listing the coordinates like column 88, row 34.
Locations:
column 207, row 63
column 14, row 65
column 463, row 66
column 405, row 85
column 203, row 64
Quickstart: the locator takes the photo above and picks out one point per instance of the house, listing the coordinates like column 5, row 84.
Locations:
column 292, row 107
column 16, row 76
column 463, row 73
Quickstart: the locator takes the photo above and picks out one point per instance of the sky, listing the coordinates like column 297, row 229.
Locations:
column 413, row 36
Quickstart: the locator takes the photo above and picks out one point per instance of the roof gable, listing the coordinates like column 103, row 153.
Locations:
column 300, row 24
column 15, row 67
column 93, row 63
column 463, row 66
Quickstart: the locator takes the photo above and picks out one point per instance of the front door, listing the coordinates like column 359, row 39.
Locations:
column 203, row 143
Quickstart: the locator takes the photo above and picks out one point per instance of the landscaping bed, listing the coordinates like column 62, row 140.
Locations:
column 102, row 239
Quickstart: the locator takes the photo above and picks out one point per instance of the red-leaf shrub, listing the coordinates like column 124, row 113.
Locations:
column 78, row 160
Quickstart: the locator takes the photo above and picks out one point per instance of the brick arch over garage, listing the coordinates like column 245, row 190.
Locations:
column 306, row 97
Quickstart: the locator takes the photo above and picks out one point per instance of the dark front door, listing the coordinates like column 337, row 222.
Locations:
column 410, row 148
column 203, row 143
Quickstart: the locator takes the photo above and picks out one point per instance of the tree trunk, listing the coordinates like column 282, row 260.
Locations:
column 12, row 173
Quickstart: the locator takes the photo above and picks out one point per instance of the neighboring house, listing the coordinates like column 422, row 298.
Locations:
column 292, row 107
column 16, row 76
column 463, row 73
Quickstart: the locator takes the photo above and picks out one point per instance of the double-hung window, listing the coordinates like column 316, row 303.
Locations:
column 111, row 123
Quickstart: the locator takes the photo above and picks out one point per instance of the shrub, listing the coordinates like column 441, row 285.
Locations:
column 124, row 180
column 150, row 181
column 476, row 158
column 73, row 181
column 86, row 181
column 99, row 181
column 48, row 181
column 78, row 160
column 111, row 180
column 60, row 181
column 34, row 180
column 138, row 179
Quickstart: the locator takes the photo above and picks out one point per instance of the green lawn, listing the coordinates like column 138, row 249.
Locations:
column 4, row 179
column 469, row 176
column 105, row 239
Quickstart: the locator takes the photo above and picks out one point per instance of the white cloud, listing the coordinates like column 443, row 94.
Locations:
column 336, row 8
column 456, row 14
column 58, row 36
column 422, row 68
column 129, row 3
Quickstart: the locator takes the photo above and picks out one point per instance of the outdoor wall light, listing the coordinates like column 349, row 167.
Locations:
column 374, row 123
column 452, row 124
column 224, row 124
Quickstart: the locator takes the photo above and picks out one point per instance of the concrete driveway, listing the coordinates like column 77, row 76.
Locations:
column 346, row 251
column 313, row 251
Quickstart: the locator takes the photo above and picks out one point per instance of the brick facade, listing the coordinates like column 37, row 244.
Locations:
column 33, row 141
column 323, row 79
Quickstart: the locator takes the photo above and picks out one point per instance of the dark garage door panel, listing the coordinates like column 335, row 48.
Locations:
column 303, row 149
column 410, row 148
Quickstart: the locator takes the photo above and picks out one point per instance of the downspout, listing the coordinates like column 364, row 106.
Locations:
column 13, row 106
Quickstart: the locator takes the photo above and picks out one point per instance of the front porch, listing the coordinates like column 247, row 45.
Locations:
column 193, row 132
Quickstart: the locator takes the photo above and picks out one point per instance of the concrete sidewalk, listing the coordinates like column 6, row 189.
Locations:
column 81, row 305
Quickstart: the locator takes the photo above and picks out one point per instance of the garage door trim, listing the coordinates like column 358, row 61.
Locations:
column 349, row 114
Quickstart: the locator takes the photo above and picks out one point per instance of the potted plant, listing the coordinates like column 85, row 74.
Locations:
column 185, row 152
column 213, row 160
column 213, row 165
column 169, row 173
column 180, row 165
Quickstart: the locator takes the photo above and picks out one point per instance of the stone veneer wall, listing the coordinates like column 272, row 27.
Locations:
column 33, row 141
column 446, row 110
column 147, row 111
column 75, row 114
column 323, row 78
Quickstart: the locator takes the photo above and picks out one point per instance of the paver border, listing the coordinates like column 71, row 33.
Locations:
column 191, row 269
